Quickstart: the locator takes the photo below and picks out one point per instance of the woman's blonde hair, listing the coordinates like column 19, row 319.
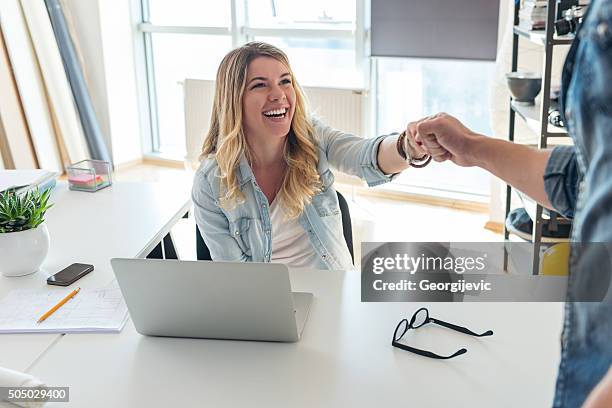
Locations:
column 226, row 140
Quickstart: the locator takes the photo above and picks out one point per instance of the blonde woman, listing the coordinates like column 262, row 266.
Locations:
column 264, row 190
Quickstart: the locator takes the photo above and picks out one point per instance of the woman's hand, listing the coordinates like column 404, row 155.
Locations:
column 417, row 150
column 390, row 160
column 446, row 138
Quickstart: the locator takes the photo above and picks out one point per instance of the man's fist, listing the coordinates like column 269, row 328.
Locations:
column 446, row 138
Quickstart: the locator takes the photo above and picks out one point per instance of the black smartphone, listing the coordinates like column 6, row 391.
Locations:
column 70, row 274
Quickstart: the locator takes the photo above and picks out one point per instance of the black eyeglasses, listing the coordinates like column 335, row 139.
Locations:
column 421, row 318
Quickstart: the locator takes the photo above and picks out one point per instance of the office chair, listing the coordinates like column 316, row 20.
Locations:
column 203, row 253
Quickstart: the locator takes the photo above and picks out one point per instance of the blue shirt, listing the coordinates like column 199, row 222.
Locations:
column 578, row 182
column 244, row 233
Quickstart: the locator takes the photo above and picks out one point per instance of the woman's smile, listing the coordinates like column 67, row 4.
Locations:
column 277, row 115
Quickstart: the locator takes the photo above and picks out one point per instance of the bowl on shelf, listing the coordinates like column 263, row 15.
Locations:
column 524, row 86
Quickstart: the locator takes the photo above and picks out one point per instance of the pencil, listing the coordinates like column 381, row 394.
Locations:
column 60, row 304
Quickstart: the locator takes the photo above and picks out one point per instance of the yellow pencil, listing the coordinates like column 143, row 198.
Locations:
column 60, row 304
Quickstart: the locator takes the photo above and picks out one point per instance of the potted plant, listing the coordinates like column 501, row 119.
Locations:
column 24, row 239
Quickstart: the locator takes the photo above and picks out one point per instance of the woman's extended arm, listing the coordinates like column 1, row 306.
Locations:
column 389, row 159
column 375, row 159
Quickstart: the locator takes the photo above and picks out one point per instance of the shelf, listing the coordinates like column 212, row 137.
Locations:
column 544, row 240
column 539, row 36
column 528, row 203
column 531, row 115
column 530, row 206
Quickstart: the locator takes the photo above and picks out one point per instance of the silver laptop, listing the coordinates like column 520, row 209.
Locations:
column 213, row 300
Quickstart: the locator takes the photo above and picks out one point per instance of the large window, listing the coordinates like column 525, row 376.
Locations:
column 188, row 39
column 408, row 89
column 194, row 13
column 326, row 44
column 302, row 14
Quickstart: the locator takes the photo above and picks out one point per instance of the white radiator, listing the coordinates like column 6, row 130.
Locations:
column 339, row 108
column 198, row 100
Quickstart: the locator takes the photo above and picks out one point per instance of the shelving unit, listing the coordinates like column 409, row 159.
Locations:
column 531, row 116
column 539, row 36
column 536, row 117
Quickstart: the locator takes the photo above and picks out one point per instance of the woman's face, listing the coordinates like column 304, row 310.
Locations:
column 268, row 102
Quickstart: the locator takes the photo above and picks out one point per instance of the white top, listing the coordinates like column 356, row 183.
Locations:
column 290, row 242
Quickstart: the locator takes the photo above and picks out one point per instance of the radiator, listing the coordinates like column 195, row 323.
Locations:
column 339, row 108
column 198, row 100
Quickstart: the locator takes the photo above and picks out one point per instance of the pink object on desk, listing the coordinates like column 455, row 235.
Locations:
column 84, row 179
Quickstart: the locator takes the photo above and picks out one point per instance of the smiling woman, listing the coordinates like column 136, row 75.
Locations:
column 264, row 190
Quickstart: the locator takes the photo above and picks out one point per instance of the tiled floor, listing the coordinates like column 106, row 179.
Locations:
column 374, row 219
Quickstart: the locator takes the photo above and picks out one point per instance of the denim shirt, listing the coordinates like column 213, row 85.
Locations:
column 578, row 182
column 244, row 233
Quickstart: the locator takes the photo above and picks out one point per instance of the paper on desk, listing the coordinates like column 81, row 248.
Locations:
column 28, row 178
column 15, row 379
column 94, row 310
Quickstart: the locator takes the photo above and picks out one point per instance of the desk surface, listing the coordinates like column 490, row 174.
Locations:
column 344, row 359
column 124, row 220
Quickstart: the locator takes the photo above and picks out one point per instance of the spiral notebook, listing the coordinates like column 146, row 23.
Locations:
column 93, row 310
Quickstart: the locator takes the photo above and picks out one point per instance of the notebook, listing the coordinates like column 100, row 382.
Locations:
column 24, row 180
column 93, row 310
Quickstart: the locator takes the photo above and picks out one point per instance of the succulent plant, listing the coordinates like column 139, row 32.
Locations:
column 20, row 212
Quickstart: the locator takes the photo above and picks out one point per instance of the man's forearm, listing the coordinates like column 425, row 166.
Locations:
column 520, row 166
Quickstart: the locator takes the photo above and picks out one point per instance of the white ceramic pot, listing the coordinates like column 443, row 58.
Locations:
column 22, row 252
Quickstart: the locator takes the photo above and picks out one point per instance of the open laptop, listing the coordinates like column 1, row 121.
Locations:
column 213, row 300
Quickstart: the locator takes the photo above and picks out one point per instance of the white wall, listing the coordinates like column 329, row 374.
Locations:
column 105, row 35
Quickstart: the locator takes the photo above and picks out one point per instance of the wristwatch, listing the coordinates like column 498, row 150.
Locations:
column 403, row 148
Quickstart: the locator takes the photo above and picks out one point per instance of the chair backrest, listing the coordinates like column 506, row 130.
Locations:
column 203, row 253
column 347, row 225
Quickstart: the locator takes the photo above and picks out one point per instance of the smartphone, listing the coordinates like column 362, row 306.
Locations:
column 70, row 274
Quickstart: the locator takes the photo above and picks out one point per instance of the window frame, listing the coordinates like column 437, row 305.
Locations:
column 240, row 33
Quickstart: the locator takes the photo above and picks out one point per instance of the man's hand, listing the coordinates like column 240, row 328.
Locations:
column 446, row 138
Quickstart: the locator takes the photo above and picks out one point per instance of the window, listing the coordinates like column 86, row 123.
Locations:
column 409, row 89
column 176, row 57
column 188, row 39
column 326, row 45
column 320, row 61
column 307, row 14
column 203, row 13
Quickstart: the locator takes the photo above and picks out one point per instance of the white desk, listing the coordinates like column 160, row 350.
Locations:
column 343, row 360
column 124, row 220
